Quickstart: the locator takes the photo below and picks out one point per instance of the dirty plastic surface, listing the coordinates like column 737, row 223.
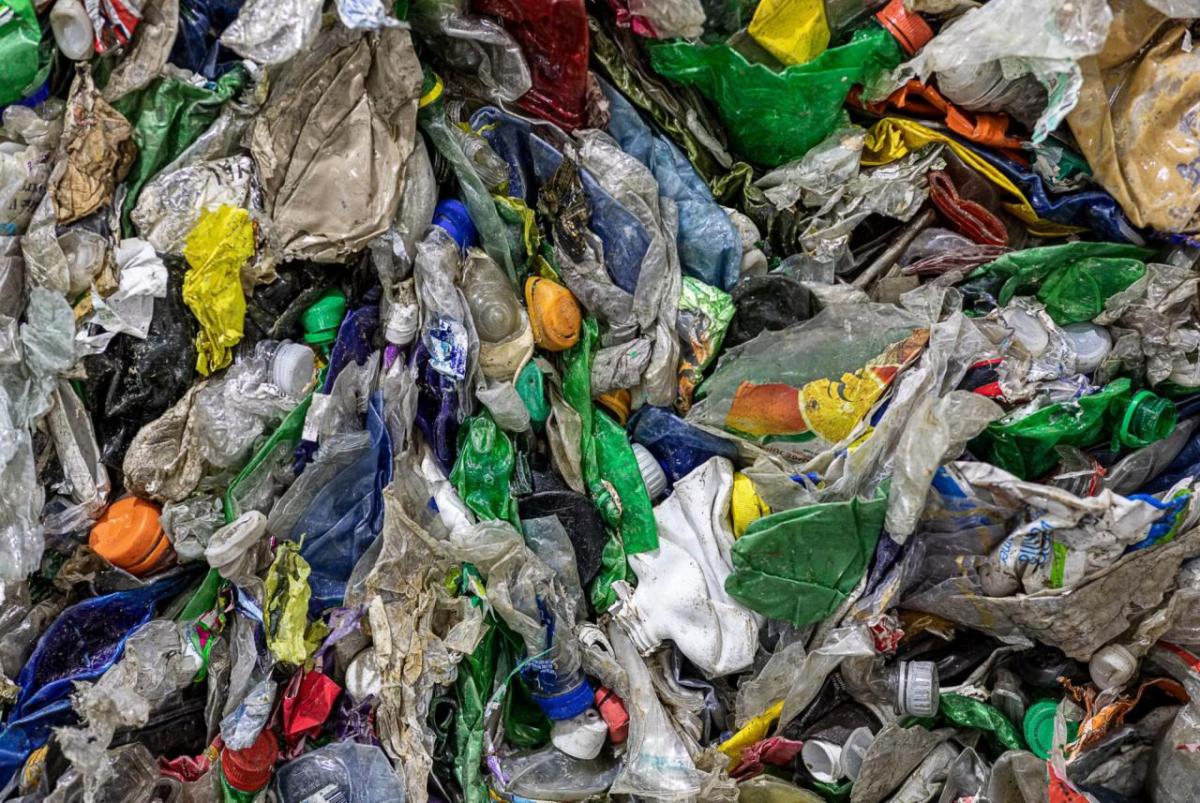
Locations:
column 768, row 401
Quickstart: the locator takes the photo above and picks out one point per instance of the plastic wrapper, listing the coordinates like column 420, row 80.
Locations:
column 99, row 153
column 169, row 114
column 216, row 250
column 475, row 44
column 273, row 33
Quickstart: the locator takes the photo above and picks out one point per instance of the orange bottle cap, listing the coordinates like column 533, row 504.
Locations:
column 910, row 29
column 617, row 402
column 129, row 535
column 553, row 314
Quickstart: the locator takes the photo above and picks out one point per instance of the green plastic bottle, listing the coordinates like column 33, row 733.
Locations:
column 1025, row 446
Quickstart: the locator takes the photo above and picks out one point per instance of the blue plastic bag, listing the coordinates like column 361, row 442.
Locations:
column 710, row 248
column 346, row 515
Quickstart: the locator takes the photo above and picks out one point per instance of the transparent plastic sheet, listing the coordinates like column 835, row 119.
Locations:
column 403, row 592
column 158, row 660
column 1153, row 321
column 25, row 395
column 1049, row 51
column 658, row 764
column 478, row 47
column 270, row 32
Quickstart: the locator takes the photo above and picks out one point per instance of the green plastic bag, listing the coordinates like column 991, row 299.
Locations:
column 799, row 565
column 1072, row 280
column 476, row 674
column 1024, row 447
column 483, row 471
column 776, row 116
column 20, row 59
column 168, row 116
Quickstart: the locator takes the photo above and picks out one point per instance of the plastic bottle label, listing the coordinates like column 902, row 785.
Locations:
column 327, row 794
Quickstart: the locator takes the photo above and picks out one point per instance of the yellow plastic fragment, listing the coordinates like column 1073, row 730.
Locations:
column 793, row 31
column 216, row 249
column 285, row 614
column 753, row 731
column 746, row 504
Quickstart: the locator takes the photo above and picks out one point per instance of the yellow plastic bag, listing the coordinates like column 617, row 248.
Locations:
column 745, row 505
column 893, row 137
column 793, row 31
column 216, row 250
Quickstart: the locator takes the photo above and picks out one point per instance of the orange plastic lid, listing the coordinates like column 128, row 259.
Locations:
column 910, row 30
column 553, row 314
column 129, row 535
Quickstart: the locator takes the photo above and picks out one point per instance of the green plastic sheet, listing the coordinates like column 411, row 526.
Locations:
column 610, row 471
column 168, row 116
column 1073, row 280
column 20, row 59
column 776, row 116
column 799, row 565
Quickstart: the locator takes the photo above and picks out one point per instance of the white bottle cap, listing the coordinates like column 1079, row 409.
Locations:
column 1112, row 666
column 652, row 473
column 1092, row 344
column 1028, row 330
column 823, row 760
column 917, row 694
column 581, row 736
column 856, row 746
column 292, row 368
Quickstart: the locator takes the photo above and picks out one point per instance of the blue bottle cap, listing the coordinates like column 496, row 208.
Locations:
column 568, row 704
column 452, row 216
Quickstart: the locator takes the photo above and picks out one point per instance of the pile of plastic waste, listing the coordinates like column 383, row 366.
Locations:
column 769, row 401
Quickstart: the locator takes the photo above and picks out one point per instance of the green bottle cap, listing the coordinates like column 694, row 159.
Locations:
column 1039, row 728
column 1148, row 418
column 532, row 390
column 322, row 319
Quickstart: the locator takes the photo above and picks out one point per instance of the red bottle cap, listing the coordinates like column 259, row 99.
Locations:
column 250, row 769
column 612, row 711
column 910, row 30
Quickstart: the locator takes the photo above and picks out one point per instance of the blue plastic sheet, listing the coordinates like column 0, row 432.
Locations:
column 81, row 644
column 346, row 515
column 1094, row 209
column 710, row 248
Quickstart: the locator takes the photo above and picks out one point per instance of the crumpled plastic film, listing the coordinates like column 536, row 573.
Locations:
column 1127, row 158
column 369, row 84
column 216, row 250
